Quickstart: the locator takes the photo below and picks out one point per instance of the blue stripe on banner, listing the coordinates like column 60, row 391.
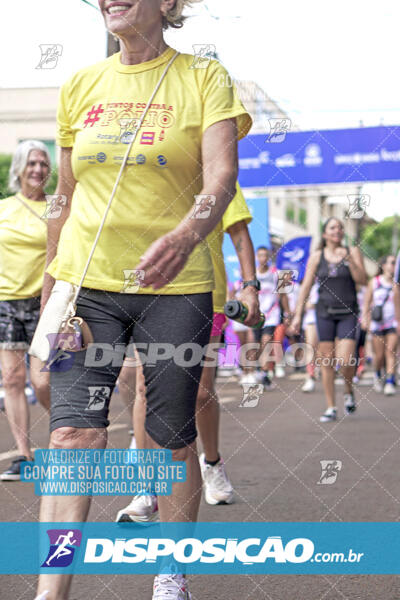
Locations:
column 205, row 548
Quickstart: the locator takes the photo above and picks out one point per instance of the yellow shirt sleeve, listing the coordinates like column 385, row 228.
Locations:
column 237, row 211
column 64, row 134
column 221, row 101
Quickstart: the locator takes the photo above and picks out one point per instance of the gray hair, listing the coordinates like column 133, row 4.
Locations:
column 174, row 17
column 20, row 160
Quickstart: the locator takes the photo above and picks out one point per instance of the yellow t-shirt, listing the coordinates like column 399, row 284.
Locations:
column 23, row 239
column 237, row 211
column 163, row 174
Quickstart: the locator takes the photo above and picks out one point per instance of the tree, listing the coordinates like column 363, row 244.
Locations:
column 5, row 163
column 379, row 237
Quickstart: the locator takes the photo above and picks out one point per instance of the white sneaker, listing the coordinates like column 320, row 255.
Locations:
column 329, row 415
column 142, row 509
column 377, row 385
column 389, row 389
column 217, row 487
column 279, row 372
column 309, row 385
column 170, row 587
column 43, row 595
column 248, row 378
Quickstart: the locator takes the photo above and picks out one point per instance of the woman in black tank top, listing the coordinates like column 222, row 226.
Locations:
column 337, row 269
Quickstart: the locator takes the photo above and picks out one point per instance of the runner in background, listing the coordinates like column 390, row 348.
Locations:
column 270, row 304
column 338, row 270
column 217, row 487
column 311, row 337
column 361, row 337
column 379, row 317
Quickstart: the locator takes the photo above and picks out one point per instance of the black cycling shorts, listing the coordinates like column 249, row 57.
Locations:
column 81, row 386
column 343, row 327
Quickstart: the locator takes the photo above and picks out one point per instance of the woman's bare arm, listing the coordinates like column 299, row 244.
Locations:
column 167, row 256
column 65, row 187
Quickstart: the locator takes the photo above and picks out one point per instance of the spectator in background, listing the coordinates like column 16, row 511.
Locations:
column 23, row 238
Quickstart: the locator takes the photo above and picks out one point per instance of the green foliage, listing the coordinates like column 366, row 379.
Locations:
column 5, row 162
column 377, row 239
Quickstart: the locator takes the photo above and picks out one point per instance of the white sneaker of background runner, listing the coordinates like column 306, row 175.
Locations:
column 142, row 509
column 217, row 487
column 43, row 595
column 171, row 587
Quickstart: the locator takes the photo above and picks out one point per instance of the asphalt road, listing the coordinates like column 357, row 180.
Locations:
column 272, row 452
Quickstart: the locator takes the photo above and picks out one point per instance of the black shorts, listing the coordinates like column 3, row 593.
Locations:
column 18, row 321
column 267, row 330
column 384, row 332
column 343, row 327
column 80, row 394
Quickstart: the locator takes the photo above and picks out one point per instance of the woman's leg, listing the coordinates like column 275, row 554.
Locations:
column 345, row 355
column 378, row 345
column 17, row 410
column 391, row 342
column 40, row 382
column 311, row 336
column 326, row 352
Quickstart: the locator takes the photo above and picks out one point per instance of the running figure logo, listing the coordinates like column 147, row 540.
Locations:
column 203, row 206
column 54, row 205
column 202, row 55
column 98, row 396
column 329, row 471
column 63, row 543
column 50, row 55
column 251, row 394
column 132, row 281
column 278, row 130
column 286, row 279
column 127, row 130
column 357, row 205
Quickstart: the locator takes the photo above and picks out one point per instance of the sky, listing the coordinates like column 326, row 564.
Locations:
column 327, row 64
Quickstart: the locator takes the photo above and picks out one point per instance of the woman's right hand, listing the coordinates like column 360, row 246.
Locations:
column 295, row 325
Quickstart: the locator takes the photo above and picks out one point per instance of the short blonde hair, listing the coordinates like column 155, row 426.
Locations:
column 174, row 17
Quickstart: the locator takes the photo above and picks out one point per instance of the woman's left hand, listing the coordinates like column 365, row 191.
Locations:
column 165, row 259
column 249, row 296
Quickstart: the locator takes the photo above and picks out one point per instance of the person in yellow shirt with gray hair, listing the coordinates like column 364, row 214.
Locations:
column 23, row 236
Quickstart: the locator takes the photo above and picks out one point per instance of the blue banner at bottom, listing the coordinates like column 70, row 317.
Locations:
column 209, row 548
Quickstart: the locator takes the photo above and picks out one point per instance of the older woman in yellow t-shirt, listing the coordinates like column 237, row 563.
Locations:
column 178, row 182
column 23, row 237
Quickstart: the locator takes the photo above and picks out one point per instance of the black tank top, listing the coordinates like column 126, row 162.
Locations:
column 337, row 289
